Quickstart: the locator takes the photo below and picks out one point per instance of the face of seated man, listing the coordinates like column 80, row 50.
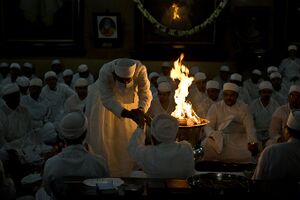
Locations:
column 230, row 97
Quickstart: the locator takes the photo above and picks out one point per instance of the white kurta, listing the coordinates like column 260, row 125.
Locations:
column 74, row 160
column 262, row 117
column 281, row 96
column 74, row 103
column 279, row 161
column 252, row 88
column 290, row 68
column 109, row 133
column 235, row 135
column 90, row 79
column 166, row 160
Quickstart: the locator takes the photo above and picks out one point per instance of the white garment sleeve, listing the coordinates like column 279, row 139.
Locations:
column 144, row 92
column 249, row 126
column 136, row 145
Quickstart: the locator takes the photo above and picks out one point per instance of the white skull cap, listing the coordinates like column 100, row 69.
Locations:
column 236, row 77
column 272, row 69
column 15, row 65
column 81, row 82
column 4, row 64
column 23, row 81
column 125, row 67
column 293, row 120
column 231, row 86
column 292, row 47
column 164, row 128
column 199, row 76
column 9, row 89
column 224, row 68
column 55, row 62
column 36, row 82
column 166, row 64
column 161, row 79
column 82, row 68
column 50, row 74
column 275, row 75
column 294, row 88
column 27, row 64
column 265, row 85
column 164, row 87
column 153, row 74
column 256, row 71
column 73, row 125
column 67, row 72
column 212, row 84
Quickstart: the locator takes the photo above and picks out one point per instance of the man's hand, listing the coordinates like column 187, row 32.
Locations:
column 136, row 115
column 253, row 148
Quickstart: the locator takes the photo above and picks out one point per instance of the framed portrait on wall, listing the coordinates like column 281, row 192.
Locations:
column 107, row 29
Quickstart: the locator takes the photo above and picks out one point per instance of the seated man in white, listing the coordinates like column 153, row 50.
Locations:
column 251, row 84
column 281, row 161
column 166, row 158
column 83, row 72
column 74, row 160
column 230, row 135
column 280, row 90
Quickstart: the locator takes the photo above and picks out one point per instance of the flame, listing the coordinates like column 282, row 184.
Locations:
column 175, row 9
column 183, row 109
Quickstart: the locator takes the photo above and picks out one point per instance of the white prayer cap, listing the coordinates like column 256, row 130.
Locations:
column 294, row 88
column 81, row 82
column 275, row 75
column 55, row 62
column 265, row 85
column 15, row 65
column 10, row 88
column 82, row 68
column 4, row 64
column 199, row 76
column 23, row 81
column 292, row 47
column 67, row 72
column 161, row 79
column 236, row 77
column 73, row 125
column 212, row 84
column 27, row 64
column 164, row 128
column 164, row 87
column 194, row 70
column 256, row 71
column 36, row 82
column 166, row 64
column 125, row 67
column 293, row 120
column 50, row 74
column 224, row 68
column 153, row 74
column 231, row 86
column 272, row 69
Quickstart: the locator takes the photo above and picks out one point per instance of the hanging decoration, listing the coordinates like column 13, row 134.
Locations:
column 178, row 32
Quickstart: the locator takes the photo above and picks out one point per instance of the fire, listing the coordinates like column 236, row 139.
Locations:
column 175, row 9
column 183, row 109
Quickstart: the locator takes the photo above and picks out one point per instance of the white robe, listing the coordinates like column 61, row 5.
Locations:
column 281, row 96
column 166, row 160
column 279, row 161
column 109, row 133
column 74, row 103
column 290, row 68
column 90, row 79
column 252, row 88
column 234, row 129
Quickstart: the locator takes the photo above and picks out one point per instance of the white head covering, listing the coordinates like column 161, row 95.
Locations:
column 10, row 88
column 257, row 71
column 161, row 79
column 166, row 64
column 55, row 62
column 50, row 74
column 36, row 82
column 125, row 67
column 164, row 128
column 164, row 87
column 67, row 72
column 275, row 75
column 81, row 82
column 272, row 69
column 212, row 84
column 82, row 68
column 73, row 125
column 265, row 85
column 23, row 81
column 4, row 64
column 199, row 76
column 293, row 121
column 231, row 86
column 194, row 70
column 153, row 74
column 27, row 64
column 224, row 68
column 236, row 77
column 15, row 65
column 292, row 47
column 294, row 88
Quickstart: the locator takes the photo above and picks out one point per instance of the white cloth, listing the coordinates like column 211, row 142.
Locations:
column 74, row 160
column 164, row 87
column 164, row 128
column 294, row 119
column 199, row 76
column 90, row 79
column 50, row 74
column 166, row 160
column 262, row 117
column 279, row 161
column 74, row 103
column 231, row 86
column 10, row 88
column 109, row 133
column 73, row 125
column 237, row 128
column 281, row 96
column 252, row 88
column 290, row 68
column 124, row 67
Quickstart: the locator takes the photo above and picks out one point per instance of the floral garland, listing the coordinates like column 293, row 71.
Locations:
column 177, row 32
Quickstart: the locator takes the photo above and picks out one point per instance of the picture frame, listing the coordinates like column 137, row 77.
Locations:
column 55, row 28
column 107, row 28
